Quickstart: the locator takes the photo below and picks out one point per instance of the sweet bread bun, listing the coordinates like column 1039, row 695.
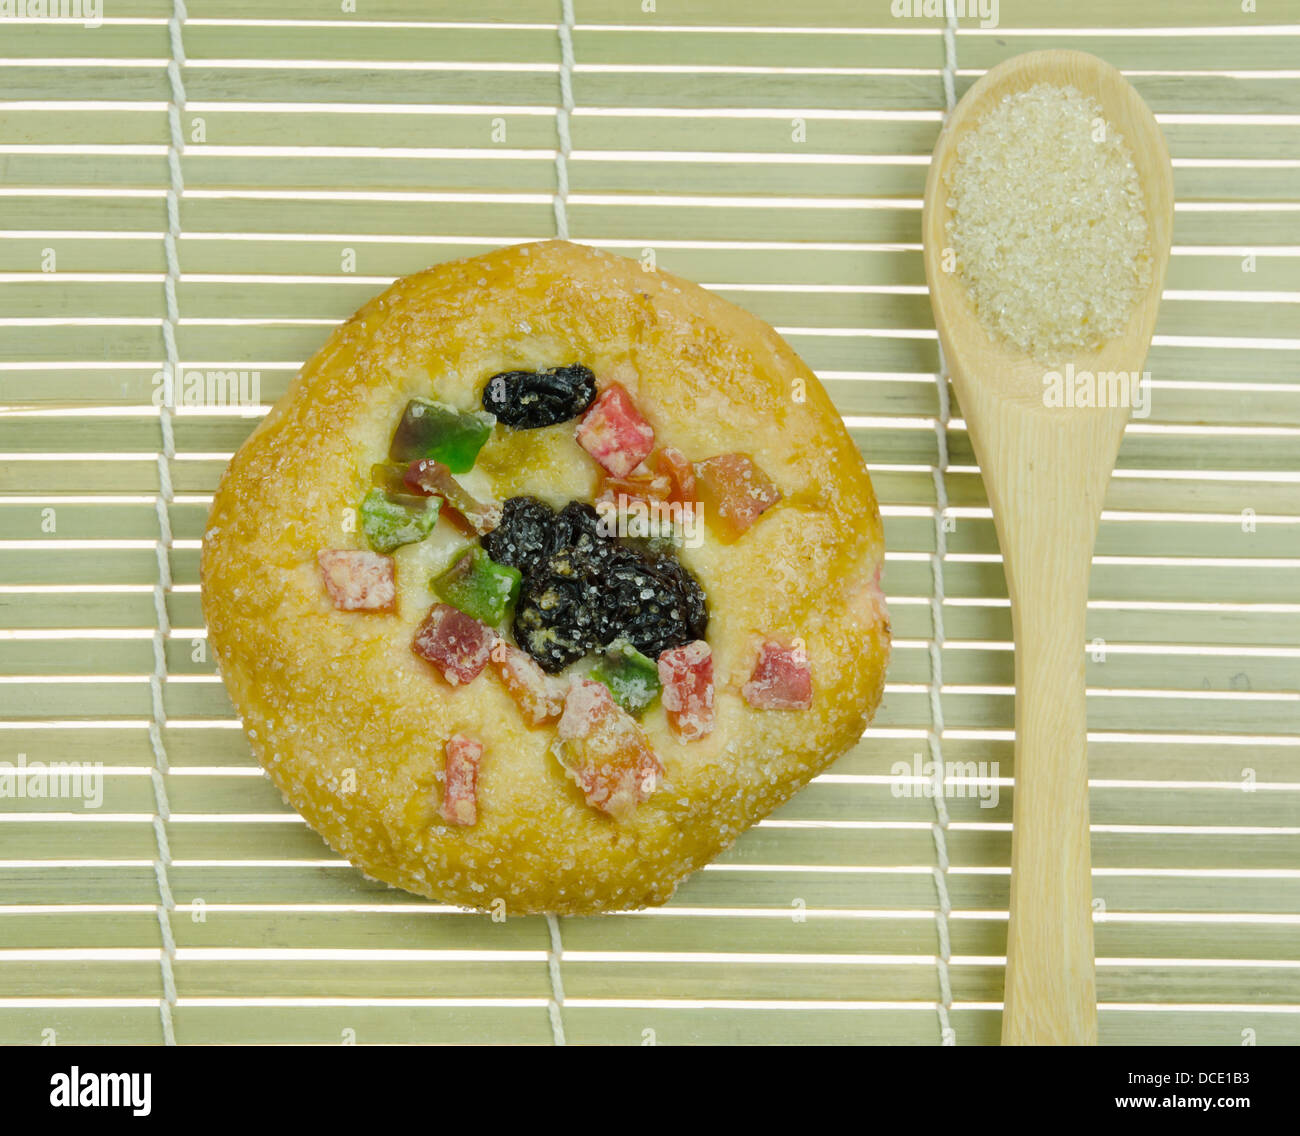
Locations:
column 442, row 785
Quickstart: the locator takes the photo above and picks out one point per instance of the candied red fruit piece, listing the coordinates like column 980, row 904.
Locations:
column 735, row 493
column 782, row 679
column 432, row 478
column 460, row 790
column 671, row 463
column 539, row 696
column 454, row 643
column 686, row 673
column 639, row 485
column 358, row 581
column 614, row 433
column 605, row 751
column 665, row 476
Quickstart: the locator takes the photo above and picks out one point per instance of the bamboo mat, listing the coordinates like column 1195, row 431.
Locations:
column 213, row 188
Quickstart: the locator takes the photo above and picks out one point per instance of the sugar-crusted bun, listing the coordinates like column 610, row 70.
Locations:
column 415, row 729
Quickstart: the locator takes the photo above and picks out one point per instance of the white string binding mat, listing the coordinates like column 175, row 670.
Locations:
column 555, row 955
column 935, row 733
column 562, row 120
column 162, row 621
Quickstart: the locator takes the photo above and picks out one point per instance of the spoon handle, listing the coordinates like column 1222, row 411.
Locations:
column 1046, row 476
column 1050, row 996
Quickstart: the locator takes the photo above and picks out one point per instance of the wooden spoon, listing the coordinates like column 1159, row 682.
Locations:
column 1045, row 470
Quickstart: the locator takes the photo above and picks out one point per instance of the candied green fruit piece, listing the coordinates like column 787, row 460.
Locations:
column 440, row 432
column 632, row 677
column 391, row 478
column 390, row 522
column 479, row 586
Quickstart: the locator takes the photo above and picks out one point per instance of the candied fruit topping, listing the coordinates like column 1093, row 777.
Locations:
column 632, row 678
column 639, row 485
column 527, row 400
column 782, row 679
column 391, row 478
column 434, row 430
column 358, row 581
column 455, row 644
column 614, row 432
column 671, row 463
column 460, row 790
column 605, row 752
column 539, row 696
column 687, row 676
column 575, row 584
column 478, row 587
column 734, row 492
column 586, row 704
column 424, row 475
column 388, row 522
column 665, row 476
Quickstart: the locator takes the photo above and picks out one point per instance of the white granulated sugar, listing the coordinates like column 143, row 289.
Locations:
column 1049, row 223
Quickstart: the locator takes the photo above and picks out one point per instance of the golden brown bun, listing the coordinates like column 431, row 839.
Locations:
column 351, row 725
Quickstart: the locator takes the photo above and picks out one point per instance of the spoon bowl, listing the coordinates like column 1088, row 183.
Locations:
column 996, row 363
column 1045, row 468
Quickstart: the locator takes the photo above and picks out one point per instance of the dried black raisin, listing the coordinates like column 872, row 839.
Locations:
column 524, row 536
column 526, row 400
column 579, row 526
column 558, row 611
column 651, row 600
column 583, row 588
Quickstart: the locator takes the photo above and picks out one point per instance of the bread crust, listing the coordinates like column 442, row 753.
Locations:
column 351, row 726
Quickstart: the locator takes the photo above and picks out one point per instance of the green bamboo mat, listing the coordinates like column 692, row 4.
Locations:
column 218, row 186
